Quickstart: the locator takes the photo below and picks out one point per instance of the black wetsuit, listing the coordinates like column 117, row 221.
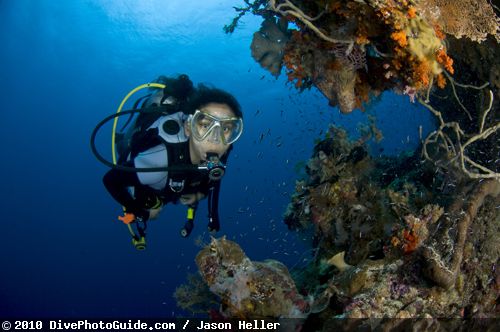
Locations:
column 117, row 183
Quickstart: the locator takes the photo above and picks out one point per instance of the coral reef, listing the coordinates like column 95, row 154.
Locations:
column 404, row 241
column 195, row 296
column 346, row 193
column 342, row 87
column 249, row 289
column 351, row 50
column 354, row 50
column 473, row 19
column 268, row 44
column 392, row 237
column 412, row 236
column 461, row 216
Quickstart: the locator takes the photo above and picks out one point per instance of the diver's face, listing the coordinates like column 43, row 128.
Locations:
column 212, row 143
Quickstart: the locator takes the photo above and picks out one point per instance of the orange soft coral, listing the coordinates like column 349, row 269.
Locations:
column 400, row 38
column 439, row 32
column 441, row 81
column 421, row 74
column 445, row 60
column 362, row 39
column 412, row 12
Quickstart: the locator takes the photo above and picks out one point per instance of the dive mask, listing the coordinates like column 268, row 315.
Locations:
column 206, row 126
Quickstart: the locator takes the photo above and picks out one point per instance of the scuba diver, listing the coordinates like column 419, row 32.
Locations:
column 176, row 151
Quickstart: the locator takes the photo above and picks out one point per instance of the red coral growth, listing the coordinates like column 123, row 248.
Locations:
column 407, row 241
column 410, row 241
column 413, row 235
column 294, row 71
column 297, row 75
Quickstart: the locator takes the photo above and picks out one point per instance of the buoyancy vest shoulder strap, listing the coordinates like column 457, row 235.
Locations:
column 153, row 128
column 178, row 154
column 171, row 127
column 170, row 130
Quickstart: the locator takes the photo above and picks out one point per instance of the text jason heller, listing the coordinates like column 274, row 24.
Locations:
column 242, row 325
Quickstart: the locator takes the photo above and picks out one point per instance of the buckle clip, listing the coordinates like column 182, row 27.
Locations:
column 176, row 186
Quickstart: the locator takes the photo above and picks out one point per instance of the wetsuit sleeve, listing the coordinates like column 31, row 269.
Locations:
column 117, row 182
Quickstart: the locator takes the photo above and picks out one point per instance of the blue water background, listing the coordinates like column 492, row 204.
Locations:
column 65, row 65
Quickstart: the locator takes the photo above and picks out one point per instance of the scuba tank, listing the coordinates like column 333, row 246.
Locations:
column 170, row 99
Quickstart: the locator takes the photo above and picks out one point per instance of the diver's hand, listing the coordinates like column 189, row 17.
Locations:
column 154, row 213
column 188, row 199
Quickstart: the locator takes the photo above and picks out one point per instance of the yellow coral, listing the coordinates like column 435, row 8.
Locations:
column 424, row 43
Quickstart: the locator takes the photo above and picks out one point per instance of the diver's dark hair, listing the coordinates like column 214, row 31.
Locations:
column 205, row 95
column 181, row 87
